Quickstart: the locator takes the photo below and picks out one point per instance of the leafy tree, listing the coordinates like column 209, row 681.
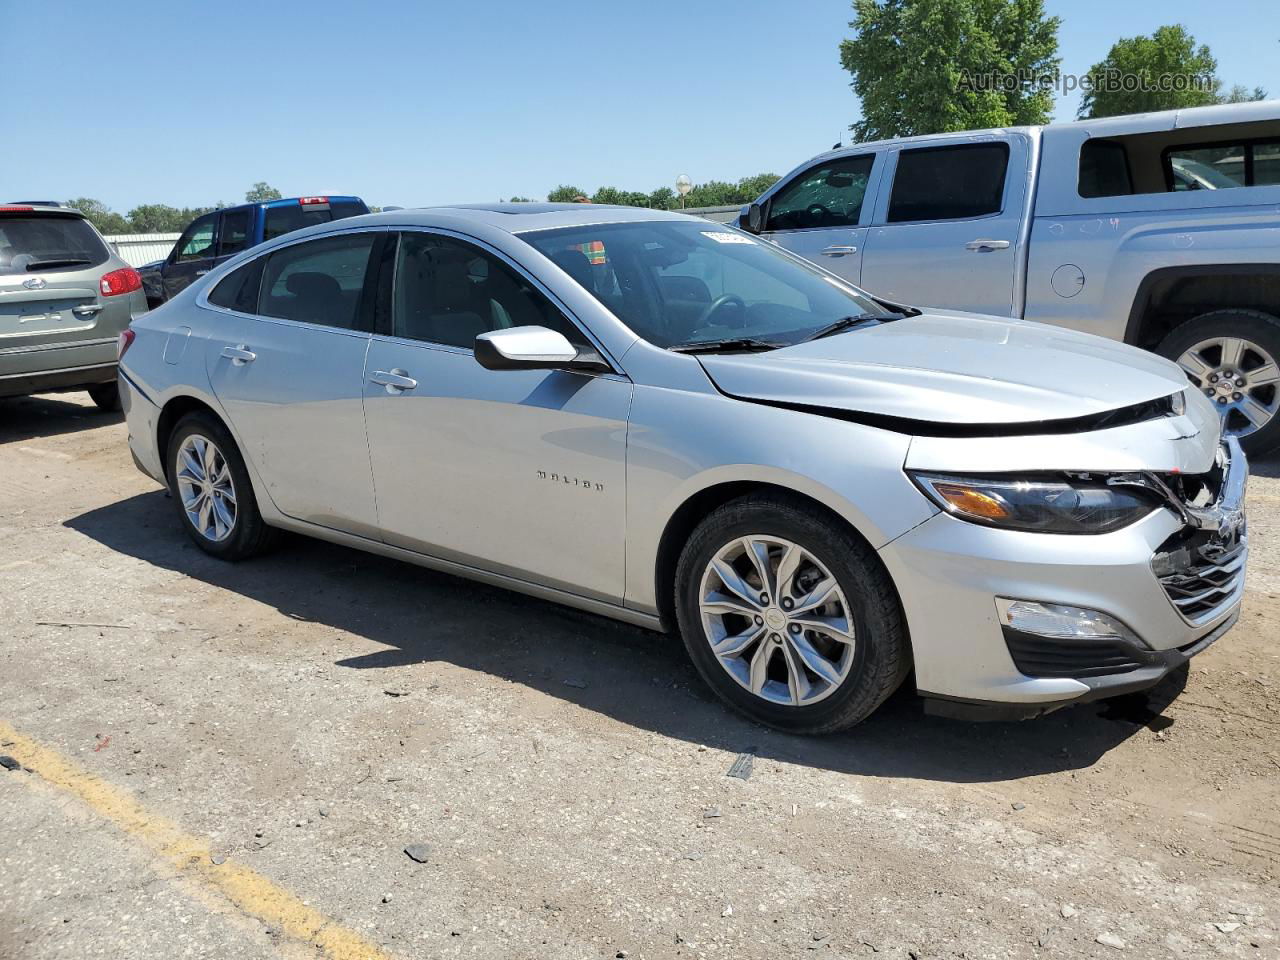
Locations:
column 931, row 66
column 261, row 192
column 752, row 187
column 159, row 218
column 664, row 198
column 1133, row 76
column 564, row 194
column 100, row 215
column 1242, row 94
column 521, row 200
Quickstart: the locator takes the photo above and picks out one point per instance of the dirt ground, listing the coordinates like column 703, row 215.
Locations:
column 228, row 761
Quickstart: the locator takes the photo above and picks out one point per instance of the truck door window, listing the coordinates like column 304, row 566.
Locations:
column 233, row 235
column 949, row 183
column 197, row 242
column 828, row 195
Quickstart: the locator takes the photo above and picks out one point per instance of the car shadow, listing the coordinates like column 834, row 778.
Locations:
column 630, row 675
column 26, row 418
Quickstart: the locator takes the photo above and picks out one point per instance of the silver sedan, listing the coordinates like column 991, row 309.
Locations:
column 679, row 425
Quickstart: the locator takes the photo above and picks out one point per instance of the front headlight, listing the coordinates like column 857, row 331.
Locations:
column 1044, row 506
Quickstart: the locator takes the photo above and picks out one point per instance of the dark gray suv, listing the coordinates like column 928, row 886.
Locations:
column 65, row 297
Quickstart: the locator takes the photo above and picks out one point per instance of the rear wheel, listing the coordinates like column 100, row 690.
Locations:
column 212, row 490
column 789, row 618
column 1231, row 355
column 106, row 396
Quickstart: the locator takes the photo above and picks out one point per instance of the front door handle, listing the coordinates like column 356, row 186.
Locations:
column 201, row 273
column 982, row 246
column 838, row 251
column 396, row 381
column 239, row 355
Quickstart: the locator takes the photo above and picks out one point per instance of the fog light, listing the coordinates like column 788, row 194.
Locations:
column 1060, row 621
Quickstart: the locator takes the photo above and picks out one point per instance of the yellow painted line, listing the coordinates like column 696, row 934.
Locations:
column 251, row 893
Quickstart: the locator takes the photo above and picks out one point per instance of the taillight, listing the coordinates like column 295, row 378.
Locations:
column 124, row 280
column 307, row 201
column 124, row 342
column 15, row 208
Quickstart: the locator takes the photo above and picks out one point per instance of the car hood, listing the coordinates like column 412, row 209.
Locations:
column 952, row 368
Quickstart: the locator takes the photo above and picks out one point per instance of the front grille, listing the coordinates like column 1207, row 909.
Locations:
column 1202, row 578
column 1037, row 656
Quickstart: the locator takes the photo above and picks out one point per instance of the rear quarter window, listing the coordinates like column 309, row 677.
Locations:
column 36, row 244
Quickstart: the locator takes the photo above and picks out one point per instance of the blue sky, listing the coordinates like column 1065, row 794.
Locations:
column 188, row 102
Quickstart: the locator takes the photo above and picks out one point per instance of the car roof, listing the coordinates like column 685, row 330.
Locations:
column 54, row 209
column 516, row 217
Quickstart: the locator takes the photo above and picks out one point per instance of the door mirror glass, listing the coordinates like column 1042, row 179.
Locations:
column 527, row 348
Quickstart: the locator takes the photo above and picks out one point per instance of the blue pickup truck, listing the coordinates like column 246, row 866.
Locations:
column 215, row 237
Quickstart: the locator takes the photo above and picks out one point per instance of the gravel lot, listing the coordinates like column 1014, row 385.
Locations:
column 248, row 750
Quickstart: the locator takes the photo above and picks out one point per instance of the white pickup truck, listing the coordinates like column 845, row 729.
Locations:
column 1159, row 229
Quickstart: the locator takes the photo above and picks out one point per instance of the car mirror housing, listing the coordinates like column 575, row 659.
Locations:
column 533, row 348
column 753, row 220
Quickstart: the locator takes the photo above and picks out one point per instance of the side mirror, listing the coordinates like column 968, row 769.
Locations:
column 752, row 220
column 533, row 348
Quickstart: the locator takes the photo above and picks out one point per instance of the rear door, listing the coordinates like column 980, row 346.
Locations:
column 818, row 214
column 50, row 268
column 945, row 232
column 290, row 375
column 192, row 256
column 235, row 229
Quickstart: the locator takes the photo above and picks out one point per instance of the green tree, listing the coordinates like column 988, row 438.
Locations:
column 1242, row 94
column 100, row 215
column 752, row 187
column 1164, row 71
column 158, row 218
column 261, row 192
column 564, row 194
column 930, row 66
column 664, row 198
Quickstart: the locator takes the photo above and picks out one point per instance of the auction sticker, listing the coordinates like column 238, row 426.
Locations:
column 720, row 237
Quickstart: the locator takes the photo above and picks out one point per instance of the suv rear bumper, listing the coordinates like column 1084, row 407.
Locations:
column 49, row 381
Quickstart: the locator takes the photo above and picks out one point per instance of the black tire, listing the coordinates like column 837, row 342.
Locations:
column 249, row 535
column 881, row 656
column 1261, row 329
column 106, row 396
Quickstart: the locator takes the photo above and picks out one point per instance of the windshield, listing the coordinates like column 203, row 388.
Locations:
column 677, row 283
column 38, row 243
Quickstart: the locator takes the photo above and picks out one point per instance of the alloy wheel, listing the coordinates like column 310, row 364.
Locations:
column 1240, row 377
column 207, row 490
column 777, row 620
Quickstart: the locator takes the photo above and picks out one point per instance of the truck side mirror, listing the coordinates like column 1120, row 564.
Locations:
column 752, row 220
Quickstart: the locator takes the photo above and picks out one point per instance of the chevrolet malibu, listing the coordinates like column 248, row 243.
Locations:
column 679, row 425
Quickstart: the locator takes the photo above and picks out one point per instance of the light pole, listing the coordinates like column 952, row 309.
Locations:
column 683, row 186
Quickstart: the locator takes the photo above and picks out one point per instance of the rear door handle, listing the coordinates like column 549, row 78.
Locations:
column 396, row 381
column 239, row 355
column 838, row 251
column 985, row 245
column 201, row 273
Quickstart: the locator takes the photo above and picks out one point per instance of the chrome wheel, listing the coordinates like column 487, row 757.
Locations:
column 1240, row 377
column 777, row 620
column 204, row 483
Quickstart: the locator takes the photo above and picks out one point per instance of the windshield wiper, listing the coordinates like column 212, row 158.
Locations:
column 848, row 323
column 726, row 345
column 45, row 264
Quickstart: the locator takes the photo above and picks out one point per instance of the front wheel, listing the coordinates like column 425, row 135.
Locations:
column 789, row 618
column 1231, row 356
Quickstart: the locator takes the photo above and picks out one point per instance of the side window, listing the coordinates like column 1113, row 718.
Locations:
column 319, row 281
column 1223, row 166
column 1104, row 169
column 447, row 291
column 233, row 235
column 828, row 195
column 949, row 183
column 197, row 242
column 239, row 289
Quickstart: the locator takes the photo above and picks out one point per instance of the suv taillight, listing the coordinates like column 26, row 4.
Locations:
column 124, row 342
column 124, row 280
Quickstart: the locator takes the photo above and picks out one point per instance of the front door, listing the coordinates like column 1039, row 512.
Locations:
column 192, row 255
column 817, row 213
column 946, row 233
column 517, row 471
column 291, row 380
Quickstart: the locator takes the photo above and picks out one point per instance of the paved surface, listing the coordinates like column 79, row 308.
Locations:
column 228, row 761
